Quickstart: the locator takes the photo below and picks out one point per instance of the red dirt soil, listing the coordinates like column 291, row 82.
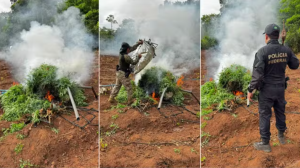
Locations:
column 149, row 140
column 71, row 147
column 231, row 138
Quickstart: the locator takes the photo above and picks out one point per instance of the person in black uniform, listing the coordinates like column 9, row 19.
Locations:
column 268, row 77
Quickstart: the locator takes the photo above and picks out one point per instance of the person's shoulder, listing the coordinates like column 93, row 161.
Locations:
column 262, row 50
column 287, row 48
column 127, row 57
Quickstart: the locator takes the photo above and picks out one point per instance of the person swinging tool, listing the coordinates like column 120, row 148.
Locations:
column 268, row 77
column 123, row 72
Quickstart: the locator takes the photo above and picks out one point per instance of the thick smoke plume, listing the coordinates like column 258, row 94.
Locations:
column 176, row 30
column 64, row 43
column 240, row 34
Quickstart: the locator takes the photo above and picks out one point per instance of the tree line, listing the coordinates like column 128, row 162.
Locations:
column 289, row 11
column 43, row 11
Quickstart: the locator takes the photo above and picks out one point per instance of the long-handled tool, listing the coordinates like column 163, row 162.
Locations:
column 248, row 101
column 161, row 98
column 283, row 34
column 73, row 104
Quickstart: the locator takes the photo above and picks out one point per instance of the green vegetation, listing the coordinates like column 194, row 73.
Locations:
column 208, row 42
column 23, row 12
column 193, row 150
column 290, row 12
column 207, row 27
column 102, row 144
column 19, row 148
column 231, row 79
column 13, row 128
column 25, row 163
column 55, row 130
column 235, row 78
column 15, row 103
column 212, row 94
column 114, row 128
column 90, row 10
column 177, row 151
column 30, row 99
column 206, row 138
column 114, row 117
column 203, row 125
column 118, row 106
column 198, row 114
column 235, row 115
column 205, row 112
column 16, row 127
column 155, row 80
column 20, row 136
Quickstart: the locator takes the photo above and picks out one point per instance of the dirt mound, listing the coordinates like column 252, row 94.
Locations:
column 228, row 137
column 148, row 139
column 59, row 144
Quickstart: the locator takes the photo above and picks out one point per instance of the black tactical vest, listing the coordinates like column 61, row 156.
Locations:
column 124, row 66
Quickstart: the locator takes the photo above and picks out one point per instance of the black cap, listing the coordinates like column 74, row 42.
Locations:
column 272, row 30
column 124, row 47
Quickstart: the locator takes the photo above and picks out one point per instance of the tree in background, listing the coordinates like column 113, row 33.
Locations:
column 90, row 10
column 111, row 19
column 290, row 11
column 208, row 22
column 23, row 12
column 106, row 33
column 208, row 42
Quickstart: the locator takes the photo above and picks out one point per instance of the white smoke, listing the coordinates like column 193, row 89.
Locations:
column 176, row 30
column 240, row 34
column 66, row 45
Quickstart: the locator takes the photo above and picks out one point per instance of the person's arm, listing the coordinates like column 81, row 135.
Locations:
column 258, row 71
column 293, row 62
column 131, row 61
column 134, row 47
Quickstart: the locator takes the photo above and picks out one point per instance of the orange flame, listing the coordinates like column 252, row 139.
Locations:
column 156, row 99
column 239, row 94
column 211, row 79
column 15, row 83
column 49, row 96
column 180, row 81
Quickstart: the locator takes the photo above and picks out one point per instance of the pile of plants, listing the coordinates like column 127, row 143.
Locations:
column 29, row 99
column 153, row 81
column 231, row 79
column 235, row 78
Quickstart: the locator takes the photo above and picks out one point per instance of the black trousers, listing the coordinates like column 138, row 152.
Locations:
column 271, row 96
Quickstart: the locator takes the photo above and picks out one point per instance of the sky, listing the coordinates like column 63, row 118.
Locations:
column 5, row 6
column 123, row 9
column 209, row 7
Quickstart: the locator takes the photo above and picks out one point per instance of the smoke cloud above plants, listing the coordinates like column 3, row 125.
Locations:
column 176, row 30
column 49, row 37
column 240, row 34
